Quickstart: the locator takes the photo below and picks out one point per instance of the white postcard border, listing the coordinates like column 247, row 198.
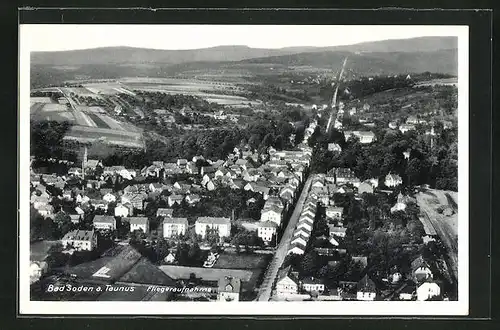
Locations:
column 383, row 308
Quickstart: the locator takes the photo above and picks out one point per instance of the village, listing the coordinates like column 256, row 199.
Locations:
column 97, row 208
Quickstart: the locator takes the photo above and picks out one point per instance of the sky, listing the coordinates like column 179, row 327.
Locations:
column 56, row 37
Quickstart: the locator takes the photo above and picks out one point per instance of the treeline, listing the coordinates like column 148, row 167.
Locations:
column 47, row 140
column 437, row 167
column 270, row 92
column 148, row 101
column 211, row 144
column 221, row 202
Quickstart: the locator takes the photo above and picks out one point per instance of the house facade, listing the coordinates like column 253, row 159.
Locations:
column 287, row 283
column 229, row 289
column 222, row 225
column 173, row 227
column 104, row 222
column 428, row 290
column 82, row 240
column 139, row 223
column 267, row 230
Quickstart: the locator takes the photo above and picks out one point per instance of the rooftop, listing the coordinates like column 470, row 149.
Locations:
column 210, row 220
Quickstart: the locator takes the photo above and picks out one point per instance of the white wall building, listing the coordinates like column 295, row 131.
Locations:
column 83, row 240
column 222, row 225
column 174, row 226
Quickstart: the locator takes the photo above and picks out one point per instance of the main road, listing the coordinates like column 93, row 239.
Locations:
column 282, row 250
column 334, row 98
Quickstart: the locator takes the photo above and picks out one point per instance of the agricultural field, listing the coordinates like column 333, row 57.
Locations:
column 107, row 88
column 212, row 91
column 85, row 134
column 445, row 81
column 51, row 111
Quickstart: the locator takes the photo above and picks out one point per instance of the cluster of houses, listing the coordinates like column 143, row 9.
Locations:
column 411, row 123
column 419, row 284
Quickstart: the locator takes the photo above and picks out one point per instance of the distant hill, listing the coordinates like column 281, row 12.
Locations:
column 131, row 55
column 440, row 61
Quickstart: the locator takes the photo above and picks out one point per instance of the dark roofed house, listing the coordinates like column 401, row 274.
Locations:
column 163, row 212
column 420, row 269
column 139, row 223
column 366, row 289
column 208, row 170
column 104, row 222
column 288, row 282
column 229, row 289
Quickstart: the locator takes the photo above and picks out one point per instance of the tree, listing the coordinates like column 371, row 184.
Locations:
column 309, row 264
column 413, row 171
column 162, row 249
column 279, row 143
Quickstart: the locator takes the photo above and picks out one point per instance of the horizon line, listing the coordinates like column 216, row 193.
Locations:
column 232, row 45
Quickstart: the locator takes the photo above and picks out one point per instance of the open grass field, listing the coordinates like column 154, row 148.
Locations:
column 107, row 88
column 207, row 274
column 210, row 90
column 36, row 107
column 242, row 261
column 40, row 99
column 83, row 119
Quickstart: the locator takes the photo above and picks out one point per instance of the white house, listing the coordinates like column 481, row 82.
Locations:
column 266, row 230
column 271, row 213
column 109, row 197
column 305, row 224
column 366, row 289
column 84, row 240
column 363, row 136
column 229, row 289
column 170, row 259
column 162, row 212
column 139, row 223
column 121, row 211
column 104, row 222
column 336, row 231
column 428, row 290
column 297, row 248
column 287, row 283
column 222, row 225
column 174, row 226
column 312, row 284
column 334, row 212
column 406, row 127
column 393, row 180
column 175, row 199
column 299, row 239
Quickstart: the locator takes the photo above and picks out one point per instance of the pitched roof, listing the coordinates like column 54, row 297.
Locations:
column 138, row 220
column 266, row 224
column 79, row 235
column 104, row 219
column 164, row 211
column 229, row 284
column 366, row 285
column 180, row 221
column 209, row 220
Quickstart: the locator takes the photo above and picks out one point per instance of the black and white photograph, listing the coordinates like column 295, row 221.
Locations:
column 243, row 169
